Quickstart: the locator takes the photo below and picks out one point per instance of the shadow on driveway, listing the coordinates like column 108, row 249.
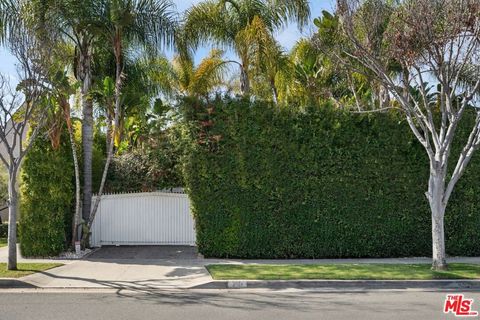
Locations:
column 144, row 253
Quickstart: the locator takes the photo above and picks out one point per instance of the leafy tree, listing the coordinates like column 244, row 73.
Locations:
column 20, row 110
column 433, row 41
column 317, row 72
column 310, row 77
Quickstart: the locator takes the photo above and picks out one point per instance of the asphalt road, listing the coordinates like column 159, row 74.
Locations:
column 222, row 304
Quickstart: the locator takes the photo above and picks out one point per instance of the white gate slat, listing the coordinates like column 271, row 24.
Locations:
column 143, row 218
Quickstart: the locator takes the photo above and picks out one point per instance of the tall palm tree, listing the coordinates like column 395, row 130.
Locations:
column 145, row 24
column 75, row 22
column 235, row 24
column 89, row 24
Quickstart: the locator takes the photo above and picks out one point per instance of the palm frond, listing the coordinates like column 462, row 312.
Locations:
column 208, row 21
column 10, row 18
column 285, row 11
column 211, row 72
column 154, row 22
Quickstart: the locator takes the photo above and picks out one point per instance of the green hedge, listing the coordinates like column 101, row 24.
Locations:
column 47, row 198
column 317, row 183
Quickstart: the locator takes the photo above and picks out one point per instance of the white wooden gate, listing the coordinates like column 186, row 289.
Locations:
column 154, row 218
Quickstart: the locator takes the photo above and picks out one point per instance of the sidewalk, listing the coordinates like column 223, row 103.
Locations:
column 422, row 260
column 131, row 274
column 20, row 259
column 206, row 261
column 123, row 274
column 156, row 274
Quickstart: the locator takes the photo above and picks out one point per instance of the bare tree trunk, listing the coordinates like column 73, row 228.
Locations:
column 435, row 195
column 438, row 241
column 12, row 221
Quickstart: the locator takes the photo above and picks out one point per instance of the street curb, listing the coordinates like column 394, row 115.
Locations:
column 12, row 283
column 324, row 285
column 343, row 284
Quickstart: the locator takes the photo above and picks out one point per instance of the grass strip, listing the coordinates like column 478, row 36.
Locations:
column 24, row 269
column 341, row 271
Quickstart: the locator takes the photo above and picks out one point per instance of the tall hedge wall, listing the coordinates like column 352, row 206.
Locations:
column 269, row 183
column 47, row 198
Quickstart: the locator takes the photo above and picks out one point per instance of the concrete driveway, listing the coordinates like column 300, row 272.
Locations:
column 145, row 253
column 140, row 268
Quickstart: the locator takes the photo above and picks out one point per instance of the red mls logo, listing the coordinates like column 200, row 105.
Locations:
column 459, row 306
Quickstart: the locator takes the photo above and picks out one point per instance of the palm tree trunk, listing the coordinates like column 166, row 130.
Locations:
column 109, row 129
column 76, row 217
column 244, row 82
column 87, row 132
column 87, row 143
column 118, row 87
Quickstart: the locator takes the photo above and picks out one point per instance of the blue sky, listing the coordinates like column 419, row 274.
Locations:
column 286, row 37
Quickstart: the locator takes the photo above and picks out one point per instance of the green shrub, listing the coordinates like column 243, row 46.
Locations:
column 146, row 169
column 47, row 198
column 317, row 183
